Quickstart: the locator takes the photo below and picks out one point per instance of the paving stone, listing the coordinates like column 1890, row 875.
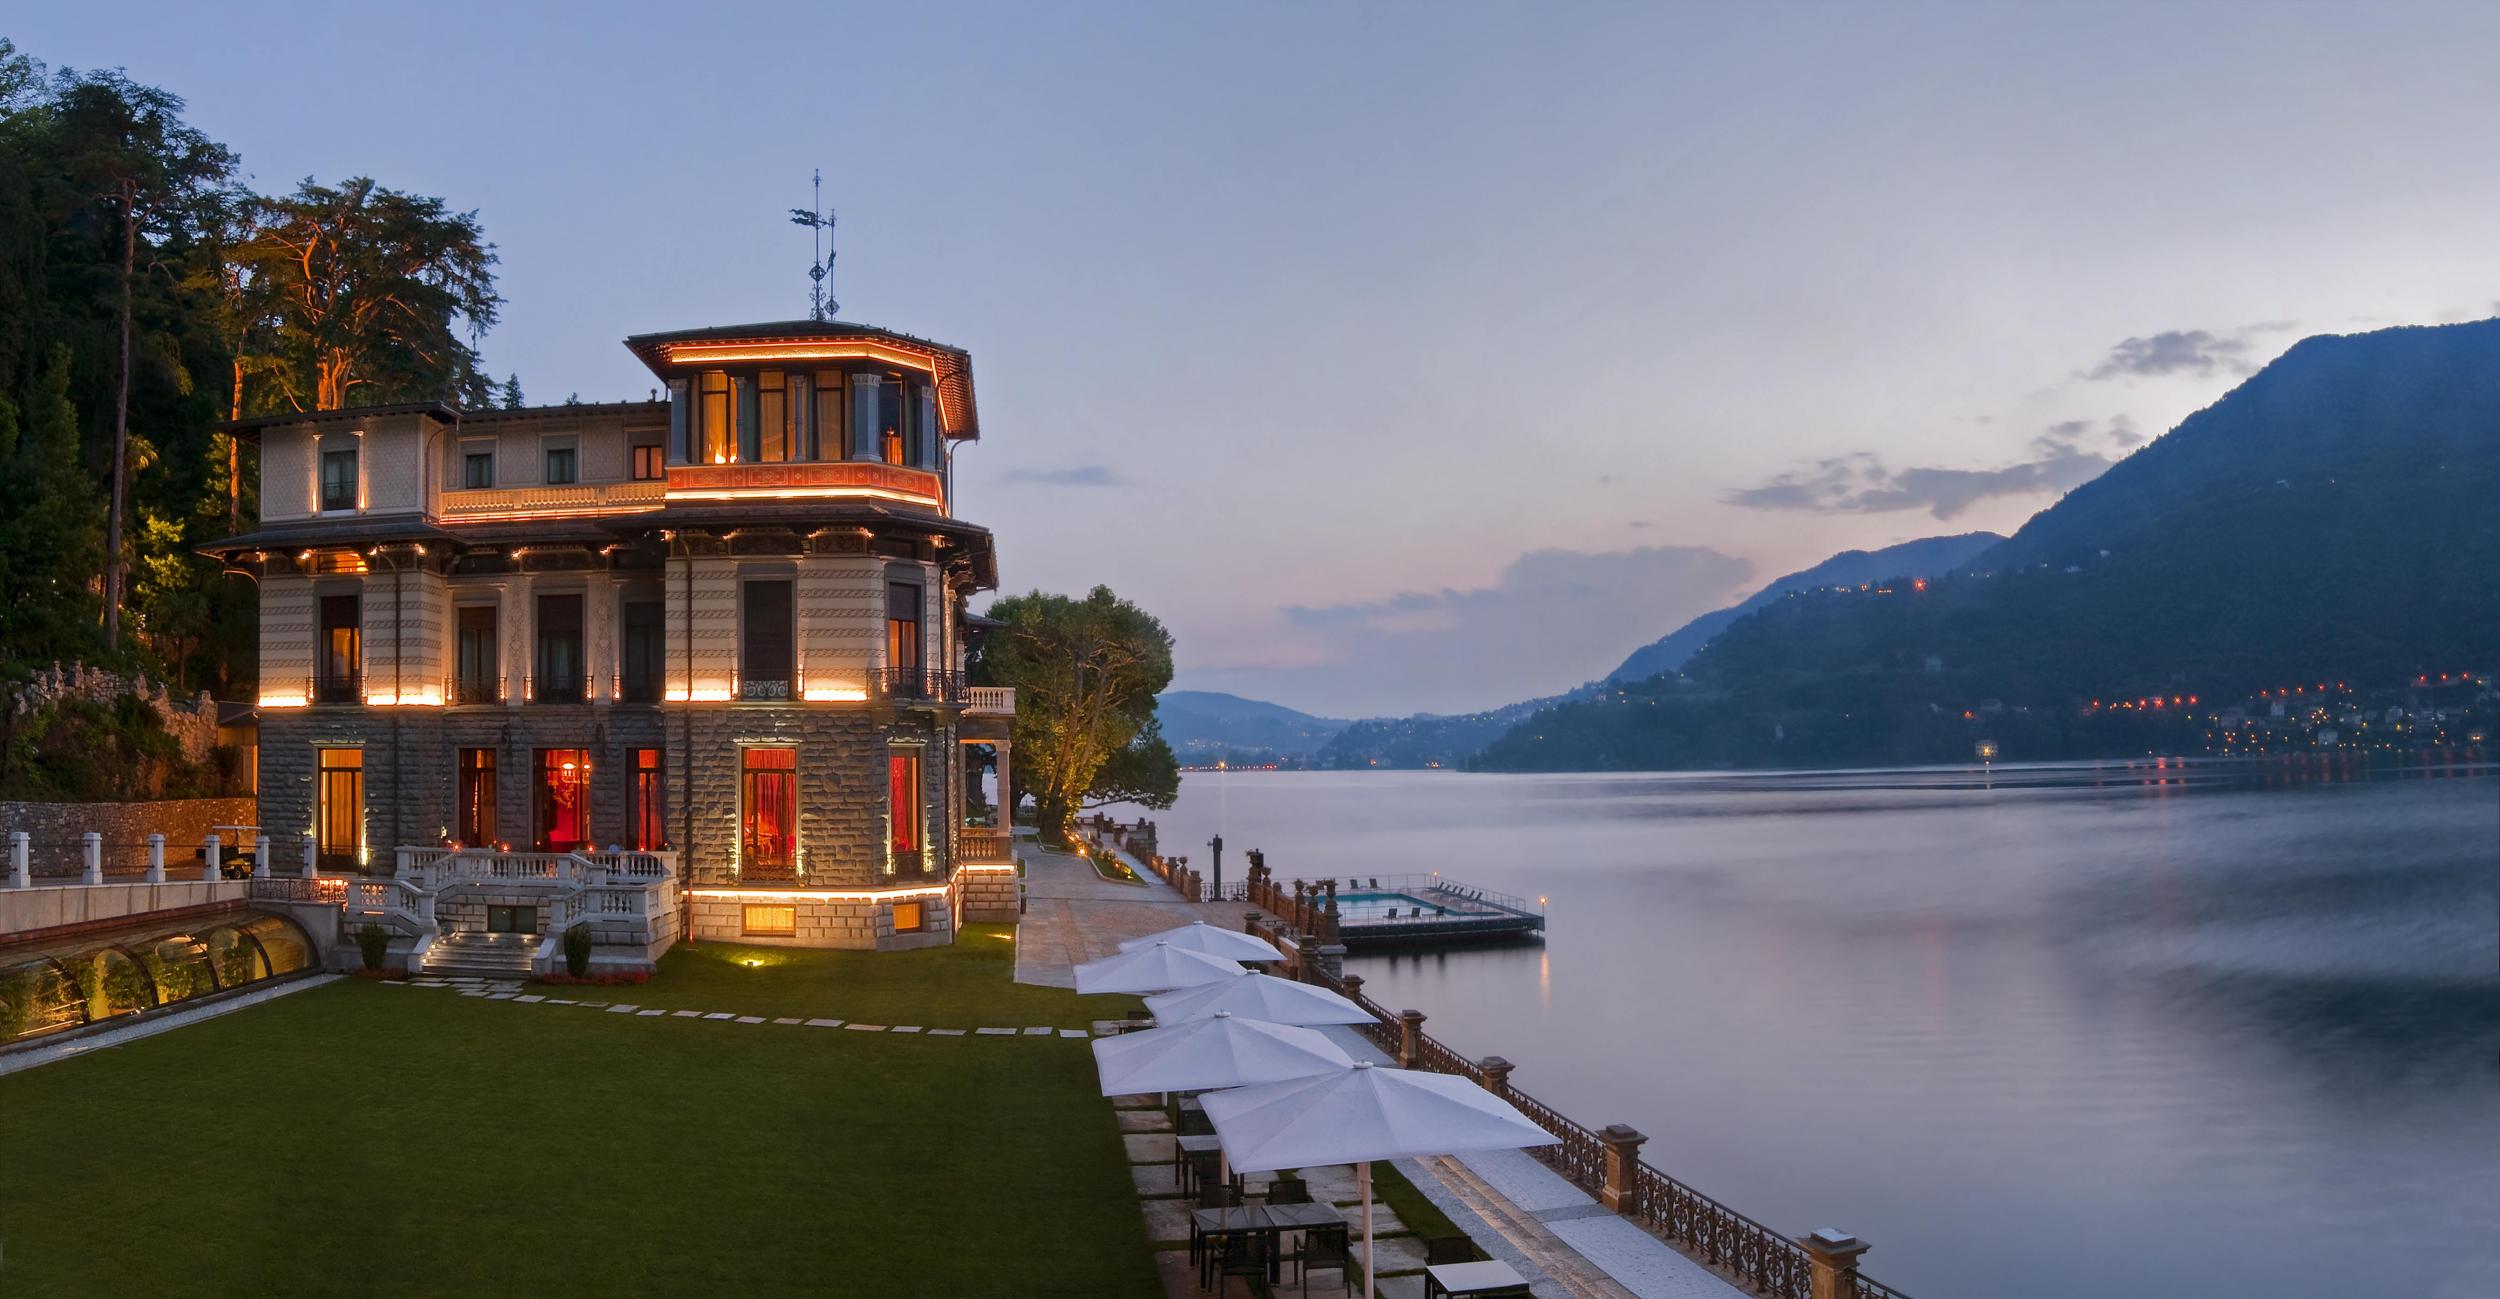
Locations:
column 1038, row 1032
column 1390, row 1253
column 1148, row 1147
column 596, row 1005
column 750, row 1019
column 622, row 1010
column 1166, row 1219
column 1179, row 1275
column 639, row 1014
column 1154, row 1179
column 1143, row 1120
column 946, row 1032
column 1409, row 1286
column 824, row 1023
column 995, row 1032
column 865, row 1028
column 719, row 1014
column 1074, row 1032
column 431, row 983
column 562, row 1001
column 904, row 1028
column 499, row 996
column 687, row 1014
column 1332, row 1183
column 788, row 1021
column 532, row 997
column 477, row 992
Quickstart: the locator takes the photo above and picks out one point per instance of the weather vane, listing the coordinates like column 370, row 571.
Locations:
column 820, row 303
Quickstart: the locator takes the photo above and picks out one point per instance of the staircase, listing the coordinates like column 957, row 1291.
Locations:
column 485, row 956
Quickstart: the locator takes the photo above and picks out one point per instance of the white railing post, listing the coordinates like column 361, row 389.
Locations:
column 312, row 856
column 94, row 843
column 209, row 850
column 156, row 859
column 19, row 874
column 260, row 859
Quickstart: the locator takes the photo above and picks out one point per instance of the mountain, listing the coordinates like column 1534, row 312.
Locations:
column 1925, row 557
column 1425, row 739
column 2334, row 518
column 1206, row 725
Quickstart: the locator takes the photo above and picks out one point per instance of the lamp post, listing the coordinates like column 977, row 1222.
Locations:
column 1215, row 858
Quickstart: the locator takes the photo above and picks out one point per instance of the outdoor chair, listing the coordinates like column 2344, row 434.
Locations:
column 1289, row 1190
column 1324, row 1248
column 1214, row 1193
column 1449, row 1249
column 1243, row 1254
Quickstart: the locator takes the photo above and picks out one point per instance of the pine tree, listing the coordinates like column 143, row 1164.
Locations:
column 512, row 392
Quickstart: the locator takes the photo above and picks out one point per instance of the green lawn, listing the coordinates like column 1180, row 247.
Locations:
column 967, row 985
column 366, row 1140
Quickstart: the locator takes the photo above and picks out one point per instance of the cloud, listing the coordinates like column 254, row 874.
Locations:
column 2199, row 352
column 2065, row 456
column 1551, row 620
column 1072, row 476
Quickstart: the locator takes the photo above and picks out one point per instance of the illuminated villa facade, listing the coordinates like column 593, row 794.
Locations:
column 683, row 666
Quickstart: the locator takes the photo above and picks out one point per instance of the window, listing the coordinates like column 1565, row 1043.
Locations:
column 907, row 917
column 761, row 921
column 559, row 679
column 338, row 479
column 645, row 636
column 764, row 641
column 773, row 416
column 339, row 818
column 481, row 679
column 650, row 463
column 477, row 469
column 768, row 821
column 560, row 465
column 649, row 826
column 476, row 820
column 903, row 842
column 715, row 440
column 341, row 649
column 563, row 800
column 902, row 639
column 511, row 920
column 825, row 438
column 893, row 405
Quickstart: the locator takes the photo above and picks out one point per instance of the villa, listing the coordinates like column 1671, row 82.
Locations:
column 687, row 666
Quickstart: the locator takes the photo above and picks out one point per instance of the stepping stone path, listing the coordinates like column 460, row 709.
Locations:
column 498, row 990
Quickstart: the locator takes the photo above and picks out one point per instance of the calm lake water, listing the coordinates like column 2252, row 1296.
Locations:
column 2066, row 1032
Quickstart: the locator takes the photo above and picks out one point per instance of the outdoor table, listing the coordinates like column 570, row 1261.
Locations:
column 1489, row 1277
column 1184, row 1147
column 1192, row 1118
column 1205, row 1225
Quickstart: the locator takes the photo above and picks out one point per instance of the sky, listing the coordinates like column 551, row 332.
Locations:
column 1409, row 357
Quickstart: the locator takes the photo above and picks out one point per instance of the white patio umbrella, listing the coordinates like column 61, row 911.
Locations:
column 1214, row 940
column 1362, row 1114
column 1258, row 996
column 1158, row 968
column 1222, row 1050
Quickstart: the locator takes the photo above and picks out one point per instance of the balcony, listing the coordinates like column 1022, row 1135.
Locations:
column 975, row 844
column 990, row 701
column 799, row 480
column 333, row 688
column 569, row 688
column 919, row 686
column 765, row 689
column 466, row 690
column 474, row 504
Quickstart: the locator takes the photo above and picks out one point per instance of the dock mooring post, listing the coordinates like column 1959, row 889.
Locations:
column 1832, row 1255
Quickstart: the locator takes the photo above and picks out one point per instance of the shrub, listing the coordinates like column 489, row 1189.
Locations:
column 373, row 942
column 577, row 951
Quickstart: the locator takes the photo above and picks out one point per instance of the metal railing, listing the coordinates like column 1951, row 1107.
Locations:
column 774, row 689
column 920, row 685
column 330, row 688
column 466, row 690
column 571, row 688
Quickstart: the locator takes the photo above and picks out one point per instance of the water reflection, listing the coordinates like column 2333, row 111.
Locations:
column 2127, row 1028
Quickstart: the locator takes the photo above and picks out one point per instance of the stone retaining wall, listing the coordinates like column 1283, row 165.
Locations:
column 55, row 850
column 857, row 924
column 988, row 896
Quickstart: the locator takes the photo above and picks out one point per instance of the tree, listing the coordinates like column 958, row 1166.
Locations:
column 1145, row 772
column 511, row 394
column 1086, row 673
column 127, row 146
column 375, row 290
column 49, row 548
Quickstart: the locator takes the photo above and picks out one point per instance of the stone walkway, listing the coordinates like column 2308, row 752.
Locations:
column 1514, row 1207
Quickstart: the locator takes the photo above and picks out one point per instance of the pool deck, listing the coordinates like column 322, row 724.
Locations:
column 1515, row 1208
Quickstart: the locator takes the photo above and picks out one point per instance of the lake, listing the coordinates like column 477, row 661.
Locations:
column 2043, row 1031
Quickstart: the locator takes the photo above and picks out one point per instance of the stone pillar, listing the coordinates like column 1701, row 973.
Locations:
column 94, row 845
column 312, row 856
column 19, row 875
column 210, row 849
column 1623, row 1155
column 1410, row 1038
column 1331, row 962
column 1496, row 1075
column 1832, row 1257
column 260, row 859
column 156, row 859
column 1353, row 985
